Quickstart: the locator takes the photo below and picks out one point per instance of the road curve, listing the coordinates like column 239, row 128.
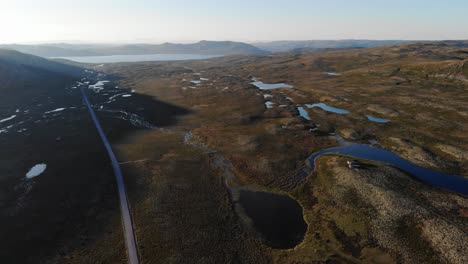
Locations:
column 130, row 241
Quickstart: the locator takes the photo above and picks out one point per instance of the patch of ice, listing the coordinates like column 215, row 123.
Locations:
column 7, row 119
column 195, row 82
column 36, row 170
column 204, row 79
column 126, row 95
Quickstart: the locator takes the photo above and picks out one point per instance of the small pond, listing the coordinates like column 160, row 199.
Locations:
column 270, row 86
column 278, row 218
column 328, row 108
column 377, row 120
column 303, row 113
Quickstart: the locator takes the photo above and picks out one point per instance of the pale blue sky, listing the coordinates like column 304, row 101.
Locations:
column 242, row 20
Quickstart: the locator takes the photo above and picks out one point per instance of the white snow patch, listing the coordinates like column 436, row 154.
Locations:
column 126, row 95
column 269, row 104
column 267, row 96
column 98, row 86
column 332, row 73
column 36, row 170
column 56, row 110
column 7, row 119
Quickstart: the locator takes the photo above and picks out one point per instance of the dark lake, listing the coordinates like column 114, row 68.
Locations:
column 278, row 218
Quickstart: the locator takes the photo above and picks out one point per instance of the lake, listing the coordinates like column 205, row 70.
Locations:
column 137, row 58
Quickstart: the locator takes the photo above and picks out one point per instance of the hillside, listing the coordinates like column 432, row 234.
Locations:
column 43, row 121
column 25, row 76
column 202, row 47
column 284, row 46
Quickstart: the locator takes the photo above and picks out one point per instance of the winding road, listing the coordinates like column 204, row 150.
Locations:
column 130, row 241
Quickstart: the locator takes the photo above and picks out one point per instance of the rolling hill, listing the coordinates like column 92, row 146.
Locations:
column 284, row 46
column 25, row 76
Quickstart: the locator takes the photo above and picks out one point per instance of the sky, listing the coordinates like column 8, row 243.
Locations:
column 157, row 21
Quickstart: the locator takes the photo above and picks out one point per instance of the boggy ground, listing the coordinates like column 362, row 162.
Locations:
column 374, row 215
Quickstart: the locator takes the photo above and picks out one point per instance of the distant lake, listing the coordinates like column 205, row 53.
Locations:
column 136, row 58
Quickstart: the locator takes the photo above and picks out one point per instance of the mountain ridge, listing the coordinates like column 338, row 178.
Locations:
column 203, row 47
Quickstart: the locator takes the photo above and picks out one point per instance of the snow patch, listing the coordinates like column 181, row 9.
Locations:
column 36, row 170
column 56, row 110
column 7, row 119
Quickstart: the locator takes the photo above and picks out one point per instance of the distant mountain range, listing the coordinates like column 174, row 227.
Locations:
column 310, row 45
column 202, row 47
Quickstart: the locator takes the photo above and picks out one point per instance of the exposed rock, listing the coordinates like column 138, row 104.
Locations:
column 417, row 222
column 349, row 134
column 382, row 110
column 414, row 153
column 455, row 152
